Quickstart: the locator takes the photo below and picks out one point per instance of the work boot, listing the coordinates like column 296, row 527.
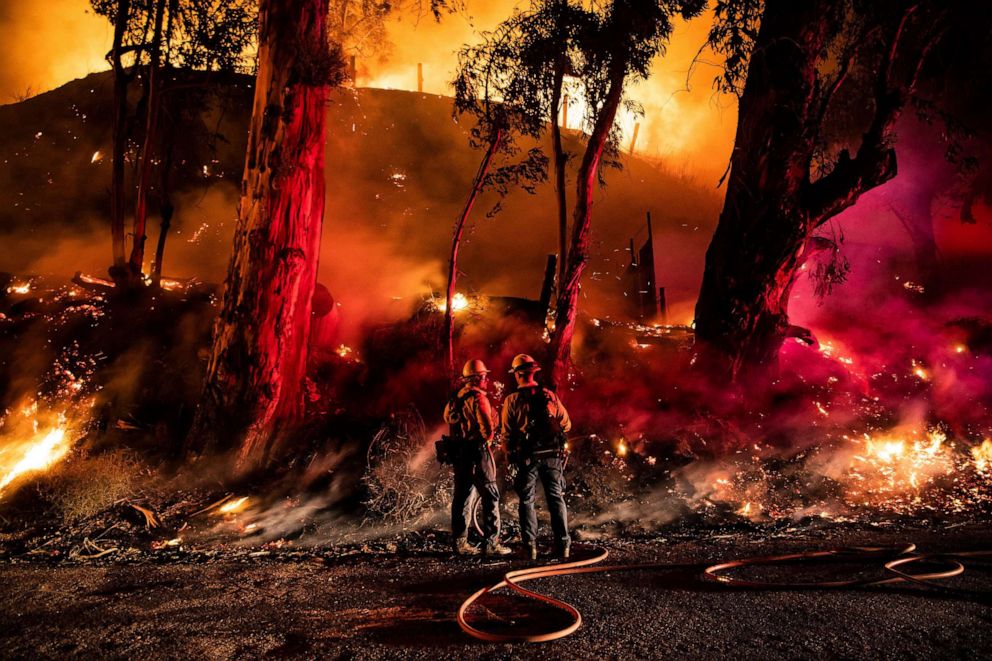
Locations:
column 564, row 551
column 496, row 549
column 462, row 547
column 529, row 551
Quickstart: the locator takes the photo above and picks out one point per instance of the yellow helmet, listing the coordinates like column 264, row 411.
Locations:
column 474, row 367
column 523, row 362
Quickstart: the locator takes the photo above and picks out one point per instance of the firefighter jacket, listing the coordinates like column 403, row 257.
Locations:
column 517, row 417
column 475, row 419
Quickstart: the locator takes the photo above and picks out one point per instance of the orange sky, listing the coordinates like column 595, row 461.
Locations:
column 692, row 130
column 43, row 45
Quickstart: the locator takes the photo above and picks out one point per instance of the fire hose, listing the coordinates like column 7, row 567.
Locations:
column 903, row 555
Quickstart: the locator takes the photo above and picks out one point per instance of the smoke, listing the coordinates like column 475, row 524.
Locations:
column 46, row 44
column 685, row 123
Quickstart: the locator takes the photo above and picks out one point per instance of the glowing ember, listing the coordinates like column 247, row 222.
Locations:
column 344, row 351
column 38, row 456
column 19, row 288
column 234, row 506
column 97, row 156
column 168, row 543
column 621, row 449
column 919, row 371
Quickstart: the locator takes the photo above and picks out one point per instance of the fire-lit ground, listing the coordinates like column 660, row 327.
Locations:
column 389, row 602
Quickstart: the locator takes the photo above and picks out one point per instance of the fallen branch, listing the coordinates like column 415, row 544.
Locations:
column 151, row 520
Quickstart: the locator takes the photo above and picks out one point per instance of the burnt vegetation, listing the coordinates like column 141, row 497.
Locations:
column 149, row 414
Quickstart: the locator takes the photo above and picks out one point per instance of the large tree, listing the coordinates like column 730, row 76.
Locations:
column 786, row 179
column 254, row 383
column 616, row 52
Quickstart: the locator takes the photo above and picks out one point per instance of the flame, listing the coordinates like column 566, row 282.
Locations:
column 344, row 351
column 39, row 455
column 234, row 506
column 459, row 302
column 893, row 469
column 97, row 156
column 919, row 371
column 19, row 288
column 621, row 448
column 982, row 456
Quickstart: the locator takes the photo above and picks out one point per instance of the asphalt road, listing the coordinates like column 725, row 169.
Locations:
column 380, row 606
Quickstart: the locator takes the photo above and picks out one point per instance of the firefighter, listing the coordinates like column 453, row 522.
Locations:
column 472, row 424
column 534, row 426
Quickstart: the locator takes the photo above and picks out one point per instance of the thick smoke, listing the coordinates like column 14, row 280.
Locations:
column 45, row 44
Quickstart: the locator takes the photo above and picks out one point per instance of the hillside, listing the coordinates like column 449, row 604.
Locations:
column 398, row 170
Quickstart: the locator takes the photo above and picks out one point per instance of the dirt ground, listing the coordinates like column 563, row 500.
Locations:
column 378, row 606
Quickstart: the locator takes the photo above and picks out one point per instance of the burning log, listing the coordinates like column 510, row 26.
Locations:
column 92, row 283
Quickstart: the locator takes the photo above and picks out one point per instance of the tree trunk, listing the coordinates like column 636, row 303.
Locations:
column 254, row 381
column 448, row 337
column 166, row 207
column 914, row 212
column 772, row 208
column 559, row 164
column 147, row 149
column 566, row 311
column 119, row 141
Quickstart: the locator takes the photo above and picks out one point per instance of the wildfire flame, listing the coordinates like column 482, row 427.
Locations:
column 459, row 302
column 234, row 506
column 893, row 469
column 38, row 456
column 982, row 455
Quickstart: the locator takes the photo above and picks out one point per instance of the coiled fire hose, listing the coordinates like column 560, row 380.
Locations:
column 901, row 555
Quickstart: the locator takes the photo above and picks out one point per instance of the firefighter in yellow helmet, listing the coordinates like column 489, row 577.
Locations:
column 534, row 426
column 472, row 429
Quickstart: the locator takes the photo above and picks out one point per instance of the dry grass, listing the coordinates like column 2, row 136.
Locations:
column 87, row 485
column 402, row 478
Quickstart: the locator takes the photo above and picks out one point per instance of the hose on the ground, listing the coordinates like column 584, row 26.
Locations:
column 900, row 556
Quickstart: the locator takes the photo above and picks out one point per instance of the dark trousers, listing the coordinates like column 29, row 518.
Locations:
column 551, row 472
column 475, row 473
